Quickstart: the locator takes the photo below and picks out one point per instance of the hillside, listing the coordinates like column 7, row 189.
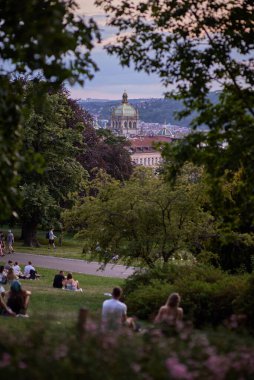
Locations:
column 153, row 110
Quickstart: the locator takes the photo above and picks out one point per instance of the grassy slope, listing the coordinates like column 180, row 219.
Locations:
column 62, row 306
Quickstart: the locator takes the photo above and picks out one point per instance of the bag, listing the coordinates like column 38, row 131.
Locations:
column 32, row 274
column 47, row 235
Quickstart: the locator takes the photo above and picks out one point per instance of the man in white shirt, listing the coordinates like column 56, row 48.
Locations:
column 28, row 268
column 114, row 312
column 17, row 269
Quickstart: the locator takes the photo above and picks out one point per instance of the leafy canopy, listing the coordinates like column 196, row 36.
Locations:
column 53, row 137
column 145, row 219
column 193, row 45
column 38, row 37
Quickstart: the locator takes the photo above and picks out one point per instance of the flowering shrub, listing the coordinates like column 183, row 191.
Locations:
column 45, row 351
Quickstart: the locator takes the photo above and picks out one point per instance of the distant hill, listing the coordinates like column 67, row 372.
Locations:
column 153, row 110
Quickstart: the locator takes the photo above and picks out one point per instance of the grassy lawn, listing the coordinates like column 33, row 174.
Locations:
column 60, row 306
column 70, row 248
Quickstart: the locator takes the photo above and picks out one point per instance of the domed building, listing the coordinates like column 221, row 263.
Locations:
column 124, row 118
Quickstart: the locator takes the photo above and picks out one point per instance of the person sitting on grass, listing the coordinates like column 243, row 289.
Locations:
column 17, row 270
column 70, row 284
column 170, row 313
column 18, row 299
column 3, row 275
column 11, row 276
column 30, row 272
column 114, row 312
column 4, row 309
column 58, row 280
column 8, row 265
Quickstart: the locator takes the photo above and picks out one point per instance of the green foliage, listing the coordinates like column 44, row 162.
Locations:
column 208, row 295
column 47, row 133
column 245, row 303
column 39, row 37
column 46, row 350
column 144, row 218
column 193, row 45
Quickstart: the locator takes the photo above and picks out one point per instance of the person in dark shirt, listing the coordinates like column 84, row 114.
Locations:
column 58, row 280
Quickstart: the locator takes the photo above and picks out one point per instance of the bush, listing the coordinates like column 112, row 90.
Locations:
column 208, row 294
column 41, row 351
column 244, row 304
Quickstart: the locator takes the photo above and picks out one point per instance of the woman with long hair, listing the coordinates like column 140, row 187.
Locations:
column 170, row 313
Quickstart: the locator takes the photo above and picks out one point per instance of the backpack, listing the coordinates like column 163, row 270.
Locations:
column 32, row 274
column 47, row 235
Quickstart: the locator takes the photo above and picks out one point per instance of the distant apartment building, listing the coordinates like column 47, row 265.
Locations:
column 143, row 151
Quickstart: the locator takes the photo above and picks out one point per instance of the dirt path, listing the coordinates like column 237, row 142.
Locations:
column 71, row 265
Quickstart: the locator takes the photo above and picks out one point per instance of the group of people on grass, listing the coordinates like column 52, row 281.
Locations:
column 114, row 311
column 6, row 243
column 66, row 282
column 12, row 271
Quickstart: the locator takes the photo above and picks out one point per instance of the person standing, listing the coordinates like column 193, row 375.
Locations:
column 51, row 238
column 10, row 242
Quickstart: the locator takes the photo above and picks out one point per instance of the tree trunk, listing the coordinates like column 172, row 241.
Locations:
column 28, row 234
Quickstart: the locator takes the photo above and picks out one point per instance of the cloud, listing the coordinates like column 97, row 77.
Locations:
column 112, row 79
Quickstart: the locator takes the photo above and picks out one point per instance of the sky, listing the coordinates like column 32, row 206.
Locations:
column 112, row 80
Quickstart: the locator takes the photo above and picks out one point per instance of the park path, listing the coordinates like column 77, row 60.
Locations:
column 71, row 265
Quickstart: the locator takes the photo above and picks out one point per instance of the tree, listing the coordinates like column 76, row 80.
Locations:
column 54, row 135
column 191, row 45
column 145, row 219
column 102, row 150
column 106, row 151
column 37, row 37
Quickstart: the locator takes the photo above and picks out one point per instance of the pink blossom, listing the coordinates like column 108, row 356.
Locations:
column 6, row 360
column 136, row 367
column 61, row 352
column 22, row 365
column 218, row 365
column 178, row 370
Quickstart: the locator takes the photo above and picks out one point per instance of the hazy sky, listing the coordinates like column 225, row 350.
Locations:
column 112, row 79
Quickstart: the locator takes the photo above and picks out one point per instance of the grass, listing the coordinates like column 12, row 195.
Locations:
column 60, row 306
column 70, row 248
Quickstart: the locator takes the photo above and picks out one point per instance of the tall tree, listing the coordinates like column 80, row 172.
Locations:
column 103, row 150
column 37, row 37
column 54, row 135
column 106, row 151
column 193, row 45
column 145, row 219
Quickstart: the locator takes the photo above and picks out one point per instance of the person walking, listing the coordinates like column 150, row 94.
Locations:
column 10, row 242
column 51, row 238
